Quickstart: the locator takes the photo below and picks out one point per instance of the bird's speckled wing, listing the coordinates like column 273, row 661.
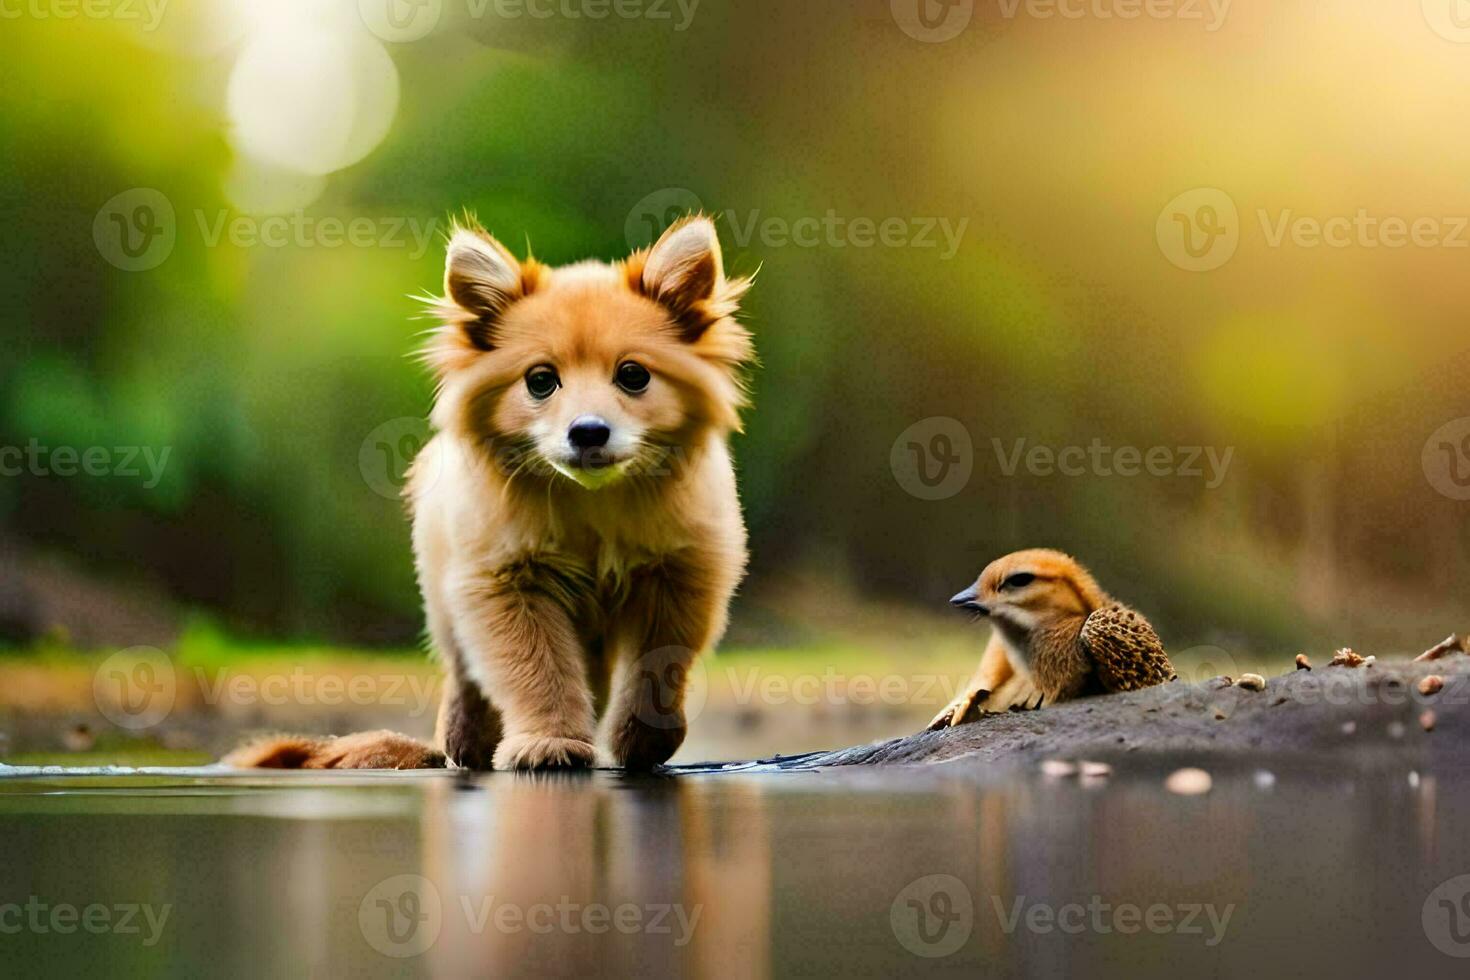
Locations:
column 1124, row 649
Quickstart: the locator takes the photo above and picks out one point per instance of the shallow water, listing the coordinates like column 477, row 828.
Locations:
column 731, row 874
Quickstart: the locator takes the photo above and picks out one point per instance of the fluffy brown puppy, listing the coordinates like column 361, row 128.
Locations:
column 576, row 528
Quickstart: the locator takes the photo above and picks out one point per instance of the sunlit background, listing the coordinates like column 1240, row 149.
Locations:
column 1235, row 234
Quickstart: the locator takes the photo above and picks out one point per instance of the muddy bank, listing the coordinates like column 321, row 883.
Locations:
column 1377, row 711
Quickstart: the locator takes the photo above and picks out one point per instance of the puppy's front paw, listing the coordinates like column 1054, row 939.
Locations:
column 465, row 750
column 544, row 752
column 640, row 747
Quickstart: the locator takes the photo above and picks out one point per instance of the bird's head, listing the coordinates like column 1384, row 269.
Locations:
column 1033, row 588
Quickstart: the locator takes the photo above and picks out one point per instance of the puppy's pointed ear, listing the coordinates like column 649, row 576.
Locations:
column 482, row 278
column 685, row 272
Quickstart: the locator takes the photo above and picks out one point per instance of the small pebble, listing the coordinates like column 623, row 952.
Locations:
column 1251, row 682
column 1096, row 770
column 1431, row 685
column 1426, row 721
column 1450, row 644
column 1058, row 768
column 1302, row 663
column 1395, row 729
column 1188, row 782
column 1369, row 661
column 1348, row 727
column 1264, row 779
column 1220, row 715
column 1413, row 780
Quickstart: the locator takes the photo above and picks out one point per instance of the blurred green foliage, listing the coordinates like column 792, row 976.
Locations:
column 264, row 369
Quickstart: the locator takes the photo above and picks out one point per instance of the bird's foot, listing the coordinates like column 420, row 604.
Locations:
column 964, row 708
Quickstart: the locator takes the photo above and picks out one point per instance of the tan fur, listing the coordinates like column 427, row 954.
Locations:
column 553, row 588
column 1060, row 633
column 364, row 750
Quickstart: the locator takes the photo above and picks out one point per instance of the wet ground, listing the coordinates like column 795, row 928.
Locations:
column 950, row 869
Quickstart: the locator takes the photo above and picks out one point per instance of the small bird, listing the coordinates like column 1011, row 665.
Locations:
column 1057, row 636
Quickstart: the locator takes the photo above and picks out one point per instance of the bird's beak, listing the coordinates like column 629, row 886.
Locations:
column 969, row 599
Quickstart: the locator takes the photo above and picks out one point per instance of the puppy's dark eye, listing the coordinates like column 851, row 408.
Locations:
column 1018, row 581
column 541, row 381
column 633, row 377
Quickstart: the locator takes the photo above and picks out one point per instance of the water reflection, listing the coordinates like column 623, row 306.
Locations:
column 637, row 878
column 936, row 869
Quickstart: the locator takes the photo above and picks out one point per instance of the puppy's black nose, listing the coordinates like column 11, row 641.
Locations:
column 588, row 432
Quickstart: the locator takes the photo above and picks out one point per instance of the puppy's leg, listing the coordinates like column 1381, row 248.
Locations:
column 468, row 728
column 520, row 646
column 672, row 614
